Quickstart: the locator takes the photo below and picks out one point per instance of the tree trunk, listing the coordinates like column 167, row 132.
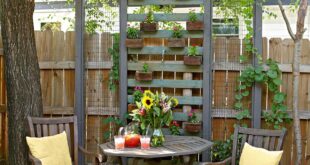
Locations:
column 296, row 72
column 22, row 74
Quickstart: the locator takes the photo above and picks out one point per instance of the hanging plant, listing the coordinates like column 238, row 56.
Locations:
column 133, row 37
column 193, row 23
column 176, row 41
column 192, row 57
column 149, row 24
column 145, row 74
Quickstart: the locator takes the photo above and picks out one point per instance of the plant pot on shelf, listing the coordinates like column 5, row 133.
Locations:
column 195, row 41
column 192, row 60
column 144, row 76
column 131, row 107
column 148, row 27
column 192, row 127
column 198, row 25
column 176, row 42
column 134, row 43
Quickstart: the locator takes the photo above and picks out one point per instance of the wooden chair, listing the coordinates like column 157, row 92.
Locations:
column 271, row 140
column 40, row 127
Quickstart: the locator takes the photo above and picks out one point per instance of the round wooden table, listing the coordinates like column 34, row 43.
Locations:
column 173, row 146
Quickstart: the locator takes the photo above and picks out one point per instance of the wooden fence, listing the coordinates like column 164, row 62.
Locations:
column 56, row 55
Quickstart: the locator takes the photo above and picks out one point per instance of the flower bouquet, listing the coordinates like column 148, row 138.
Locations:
column 155, row 111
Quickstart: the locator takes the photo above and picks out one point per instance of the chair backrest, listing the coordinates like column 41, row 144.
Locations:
column 269, row 139
column 41, row 127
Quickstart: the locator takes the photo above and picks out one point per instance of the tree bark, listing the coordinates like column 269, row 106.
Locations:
column 302, row 12
column 22, row 74
column 296, row 72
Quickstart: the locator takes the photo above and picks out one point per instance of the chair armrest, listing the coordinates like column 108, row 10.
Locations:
column 224, row 162
column 34, row 160
column 96, row 157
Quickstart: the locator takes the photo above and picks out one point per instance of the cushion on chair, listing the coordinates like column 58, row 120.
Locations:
column 50, row 150
column 258, row 156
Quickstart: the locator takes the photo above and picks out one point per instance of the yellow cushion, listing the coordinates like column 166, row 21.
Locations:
column 50, row 150
column 259, row 156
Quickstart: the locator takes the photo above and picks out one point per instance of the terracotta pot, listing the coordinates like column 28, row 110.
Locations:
column 195, row 41
column 134, row 43
column 192, row 127
column 198, row 25
column 148, row 27
column 131, row 107
column 192, row 60
column 176, row 42
column 144, row 76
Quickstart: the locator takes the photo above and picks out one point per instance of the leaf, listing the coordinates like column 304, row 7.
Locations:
column 279, row 97
column 277, row 81
column 272, row 74
column 238, row 96
column 245, row 93
column 238, row 105
column 157, row 111
column 259, row 78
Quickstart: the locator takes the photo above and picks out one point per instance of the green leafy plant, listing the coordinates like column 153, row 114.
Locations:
column 114, row 123
column 145, row 67
column 174, row 128
column 133, row 33
column 192, row 51
column 114, row 72
column 192, row 117
column 192, row 16
column 221, row 150
column 137, row 94
column 149, row 17
column 176, row 31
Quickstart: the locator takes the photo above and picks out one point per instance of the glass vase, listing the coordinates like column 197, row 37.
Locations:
column 157, row 138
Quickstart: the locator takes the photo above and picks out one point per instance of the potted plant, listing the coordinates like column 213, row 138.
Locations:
column 149, row 24
column 193, row 125
column 154, row 111
column 133, row 38
column 193, row 23
column 192, row 57
column 137, row 95
column 145, row 74
column 176, row 41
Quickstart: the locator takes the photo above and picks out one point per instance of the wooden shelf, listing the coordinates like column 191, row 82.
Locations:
column 163, row 17
column 167, row 83
column 164, row 2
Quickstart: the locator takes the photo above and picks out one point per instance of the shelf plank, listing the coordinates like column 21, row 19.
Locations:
column 168, row 34
column 166, row 83
column 163, row 17
column 184, row 100
column 175, row 66
column 164, row 2
column 157, row 50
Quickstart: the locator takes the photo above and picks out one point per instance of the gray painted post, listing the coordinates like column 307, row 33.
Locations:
column 123, row 63
column 79, row 74
column 257, row 89
column 207, row 76
column 123, row 59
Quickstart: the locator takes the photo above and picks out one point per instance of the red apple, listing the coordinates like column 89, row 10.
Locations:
column 132, row 140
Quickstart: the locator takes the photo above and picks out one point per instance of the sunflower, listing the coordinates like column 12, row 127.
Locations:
column 174, row 102
column 148, row 93
column 147, row 102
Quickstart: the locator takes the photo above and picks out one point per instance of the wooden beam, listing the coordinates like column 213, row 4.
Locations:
column 71, row 65
column 48, row 110
column 163, row 17
column 163, row 2
column 168, row 33
column 166, row 83
column 156, row 50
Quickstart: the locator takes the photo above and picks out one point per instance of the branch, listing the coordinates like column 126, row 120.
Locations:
column 302, row 12
column 288, row 26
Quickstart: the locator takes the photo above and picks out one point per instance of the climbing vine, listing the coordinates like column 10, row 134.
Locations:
column 268, row 74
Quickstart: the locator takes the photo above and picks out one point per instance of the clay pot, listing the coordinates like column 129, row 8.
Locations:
column 192, row 127
column 176, row 42
column 134, row 43
column 196, row 42
column 144, row 76
column 198, row 25
column 148, row 27
column 192, row 60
